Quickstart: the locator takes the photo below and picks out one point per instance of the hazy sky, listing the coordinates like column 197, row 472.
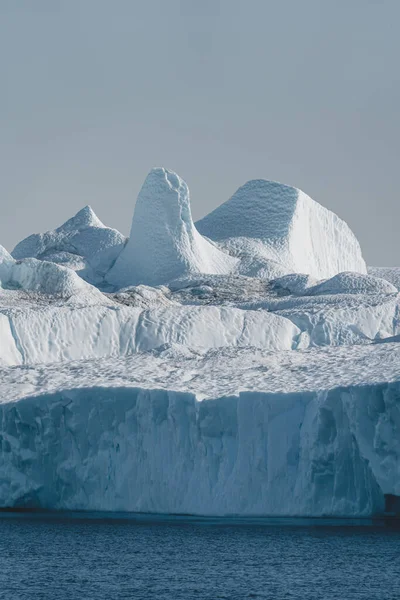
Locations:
column 96, row 92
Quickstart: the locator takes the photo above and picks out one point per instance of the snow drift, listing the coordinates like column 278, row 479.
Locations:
column 269, row 220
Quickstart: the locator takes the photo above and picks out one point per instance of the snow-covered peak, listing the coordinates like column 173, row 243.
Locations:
column 164, row 243
column 269, row 220
column 82, row 243
column 84, row 218
column 163, row 204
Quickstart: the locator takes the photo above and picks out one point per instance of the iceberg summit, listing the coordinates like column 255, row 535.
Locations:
column 247, row 364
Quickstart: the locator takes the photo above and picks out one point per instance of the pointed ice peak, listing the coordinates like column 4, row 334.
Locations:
column 83, row 219
column 82, row 243
column 164, row 243
column 165, row 197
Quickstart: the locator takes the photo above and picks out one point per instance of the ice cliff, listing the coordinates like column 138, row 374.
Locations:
column 243, row 438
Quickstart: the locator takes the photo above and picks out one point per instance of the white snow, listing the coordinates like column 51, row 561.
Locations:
column 164, row 243
column 54, row 333
column 295, row 283
column 82, row 243
column 270, row 220
column 353, row 283
column 46, row 278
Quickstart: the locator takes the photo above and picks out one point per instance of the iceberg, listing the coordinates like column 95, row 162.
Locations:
column 218, row 434
column 82, row 243
column 247, row 364
column 269, row 220
column 164, row 243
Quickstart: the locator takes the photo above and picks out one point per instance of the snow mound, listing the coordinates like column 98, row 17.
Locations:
column 142, row 296
column 82, row 243
column 261, row 268
column 46, row 278
column 294, row 283
column 269, row 220
column 391, row 274
column 164, row 243
column 353, row 283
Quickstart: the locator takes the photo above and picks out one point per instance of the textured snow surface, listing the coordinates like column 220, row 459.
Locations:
column 74, row 320
column 391, row 274
column 50, row 279
column 164, row 243
column 45, row 333
column 294, row 433
column 82, row 243
column 270, row 220
column 353, row 283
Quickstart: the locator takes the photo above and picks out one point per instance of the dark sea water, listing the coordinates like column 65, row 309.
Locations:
column 68, row 557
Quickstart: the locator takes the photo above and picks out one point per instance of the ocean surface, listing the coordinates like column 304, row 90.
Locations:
column 92, row 556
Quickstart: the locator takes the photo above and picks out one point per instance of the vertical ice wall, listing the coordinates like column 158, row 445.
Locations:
column 161, row 451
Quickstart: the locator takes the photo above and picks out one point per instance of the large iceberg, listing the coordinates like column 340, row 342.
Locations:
column 249, row 433
column 269, row 220
column 231, row 367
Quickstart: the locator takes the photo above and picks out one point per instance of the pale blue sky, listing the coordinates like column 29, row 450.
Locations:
column 96, row 92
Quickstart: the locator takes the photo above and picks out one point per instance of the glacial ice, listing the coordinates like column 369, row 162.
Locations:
column 228, row 367
column 61, row 333
column 391, row 274
column 269, row 220
column 82, row 243
column 353, row 283
column 164, row 243
column 238, row 432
